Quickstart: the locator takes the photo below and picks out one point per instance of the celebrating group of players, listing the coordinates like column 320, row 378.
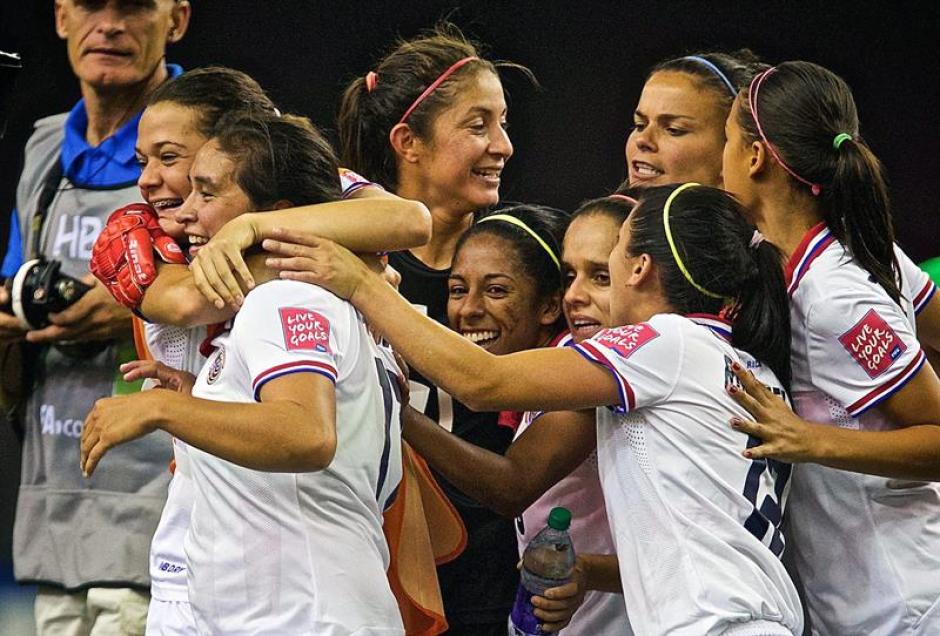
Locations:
column 632, row 361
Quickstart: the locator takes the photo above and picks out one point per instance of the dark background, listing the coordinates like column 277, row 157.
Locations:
column 590, row 57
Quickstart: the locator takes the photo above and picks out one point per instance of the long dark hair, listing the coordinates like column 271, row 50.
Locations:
column 721, row 254
column 370, row 109
column 802, row 108
column 279, row 158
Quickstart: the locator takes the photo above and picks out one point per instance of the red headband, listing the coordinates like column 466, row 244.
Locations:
column 430, row 89
column 752, row 91
column 371, row 79
column 629, row 200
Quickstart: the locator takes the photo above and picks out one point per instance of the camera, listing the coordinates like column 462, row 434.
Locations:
column 39, row 289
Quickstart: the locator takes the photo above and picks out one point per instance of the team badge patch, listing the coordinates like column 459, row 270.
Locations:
column 873, row 344
column 216, row 369
column 305, row 329
column 626, row 340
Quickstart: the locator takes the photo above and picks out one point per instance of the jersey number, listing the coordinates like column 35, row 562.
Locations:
column 391, row 395
column 764, row 520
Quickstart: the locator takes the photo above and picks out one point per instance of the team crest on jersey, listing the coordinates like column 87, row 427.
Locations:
column 873, row 344
column 305, row 329
column 216, row 369
column 626, row 340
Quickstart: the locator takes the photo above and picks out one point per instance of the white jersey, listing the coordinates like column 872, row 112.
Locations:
column 297, row 553
column 600, row 613
column 180, row 348
column 866, row 548
column 696, row 524
column 176, row 347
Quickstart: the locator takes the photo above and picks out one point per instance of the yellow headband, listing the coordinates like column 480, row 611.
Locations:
column 672, row 243
column 514, row 221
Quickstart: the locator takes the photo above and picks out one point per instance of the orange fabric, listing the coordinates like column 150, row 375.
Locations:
column 423, row 530
column 140, row 339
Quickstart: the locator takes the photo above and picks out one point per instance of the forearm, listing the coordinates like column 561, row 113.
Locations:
column 479, row 379
column 464, row 370
column 601, row 572
column 488, row 477
column 368, row 224
column 173, row 299
column 907, row 453
column 271, row 436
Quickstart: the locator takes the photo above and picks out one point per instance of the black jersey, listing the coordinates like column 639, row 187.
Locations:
column 479, row 586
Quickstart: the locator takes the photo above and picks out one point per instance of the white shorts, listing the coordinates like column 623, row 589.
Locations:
column 170, row 618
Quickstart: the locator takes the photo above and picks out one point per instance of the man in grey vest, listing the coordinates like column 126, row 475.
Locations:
column 86, row 541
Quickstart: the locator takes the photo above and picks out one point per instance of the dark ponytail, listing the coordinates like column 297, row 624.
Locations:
column 860, row 215
column 762, row 318
column 803, row 108
column 742, row 274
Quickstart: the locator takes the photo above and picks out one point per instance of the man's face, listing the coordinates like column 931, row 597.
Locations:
column 113, row 44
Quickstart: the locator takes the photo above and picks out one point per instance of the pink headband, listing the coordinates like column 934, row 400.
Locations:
column 371, row 79
column 815, row 188
column 430, row 89
column 629, row 200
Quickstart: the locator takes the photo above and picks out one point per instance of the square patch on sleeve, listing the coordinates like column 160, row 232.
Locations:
column 873, row 344
column 305, row 329
column 626, row 340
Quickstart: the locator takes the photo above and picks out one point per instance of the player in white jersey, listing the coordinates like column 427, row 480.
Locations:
column 552, row 460
column 177, row 122
column 699, row 544
column 288, row 537
column 866, row 546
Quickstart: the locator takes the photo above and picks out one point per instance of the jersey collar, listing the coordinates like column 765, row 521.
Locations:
column 719, row 326
column 813, row 244
column 111, row 163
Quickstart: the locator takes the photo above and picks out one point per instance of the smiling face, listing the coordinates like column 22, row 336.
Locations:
column 492, row 301
column 588, row 243
column 215, row 199
column 167, row 141
column 116, row 44
column 678, row 132
column 461, row 164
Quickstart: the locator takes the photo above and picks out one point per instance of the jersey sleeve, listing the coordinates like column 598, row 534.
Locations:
column 915, row 282
column 352, row 182
column 643, row 358
column 290, row 328
column 861, row 348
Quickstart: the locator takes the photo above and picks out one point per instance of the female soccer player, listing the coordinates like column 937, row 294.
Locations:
column 867, row 548
column 176, row 124
column 429, row 123
column 551, row 461
column 695, row 523
column 300, row 549
column 678, row 124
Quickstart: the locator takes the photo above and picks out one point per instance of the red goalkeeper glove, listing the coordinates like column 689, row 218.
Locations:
column 122, row 257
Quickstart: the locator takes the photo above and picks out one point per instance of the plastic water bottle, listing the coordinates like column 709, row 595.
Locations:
column 547, row 562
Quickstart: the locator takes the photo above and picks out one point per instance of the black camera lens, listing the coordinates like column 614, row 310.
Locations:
column 39, row 289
